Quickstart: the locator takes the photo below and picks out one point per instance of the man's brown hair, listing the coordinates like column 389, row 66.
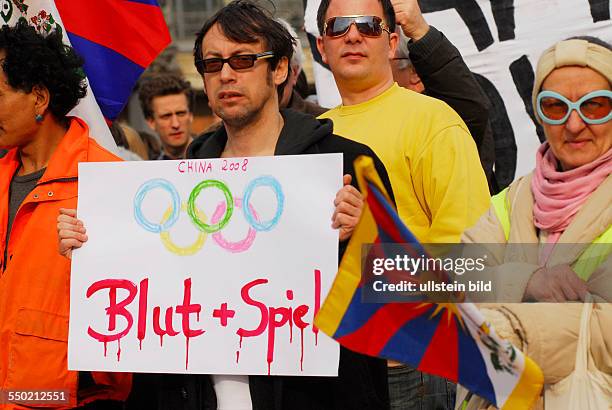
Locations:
column 159, row 85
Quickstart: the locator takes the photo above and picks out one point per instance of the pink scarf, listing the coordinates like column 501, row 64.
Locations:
column 559, row 196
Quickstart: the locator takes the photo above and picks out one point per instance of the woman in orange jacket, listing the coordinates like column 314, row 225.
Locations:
column 41, row 80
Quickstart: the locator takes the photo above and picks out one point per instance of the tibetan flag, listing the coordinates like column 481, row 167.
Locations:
column 118, row 39
column 451, row 340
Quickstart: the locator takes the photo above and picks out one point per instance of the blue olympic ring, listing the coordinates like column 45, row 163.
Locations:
column 140, row 195
column 280, row 201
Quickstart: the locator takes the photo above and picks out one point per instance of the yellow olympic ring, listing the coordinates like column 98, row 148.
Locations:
column 187, row 250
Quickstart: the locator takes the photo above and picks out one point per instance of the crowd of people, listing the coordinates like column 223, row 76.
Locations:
column 408, row 101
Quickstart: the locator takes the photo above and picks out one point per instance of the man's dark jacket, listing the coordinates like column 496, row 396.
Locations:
column 297, row 103
column 362, row 380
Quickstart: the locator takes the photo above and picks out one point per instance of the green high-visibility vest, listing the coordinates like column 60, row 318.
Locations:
column 593, row 256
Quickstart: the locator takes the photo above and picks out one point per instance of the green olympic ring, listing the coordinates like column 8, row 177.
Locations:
column 193, row 212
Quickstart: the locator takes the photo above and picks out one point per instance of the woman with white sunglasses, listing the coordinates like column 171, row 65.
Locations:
column 555, row 236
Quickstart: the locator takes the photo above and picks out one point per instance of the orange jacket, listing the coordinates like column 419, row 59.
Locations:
column 35, row 287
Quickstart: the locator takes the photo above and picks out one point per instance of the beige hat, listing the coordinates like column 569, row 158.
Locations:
column 572, row 53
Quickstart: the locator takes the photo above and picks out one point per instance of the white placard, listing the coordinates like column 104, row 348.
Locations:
column 240, row 300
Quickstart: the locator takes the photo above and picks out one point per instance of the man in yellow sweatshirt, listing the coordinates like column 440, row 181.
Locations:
column 432, row 161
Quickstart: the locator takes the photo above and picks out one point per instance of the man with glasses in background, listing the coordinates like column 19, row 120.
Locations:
column 433, row 164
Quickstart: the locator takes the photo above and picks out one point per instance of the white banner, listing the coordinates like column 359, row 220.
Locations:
column 501, row 42
column 205, row 266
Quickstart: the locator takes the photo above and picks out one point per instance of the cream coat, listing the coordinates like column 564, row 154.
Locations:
column 546, row 332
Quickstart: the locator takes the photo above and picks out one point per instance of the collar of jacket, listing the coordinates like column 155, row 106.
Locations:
column 64, row 162
column 296, row 103
column 300, row 134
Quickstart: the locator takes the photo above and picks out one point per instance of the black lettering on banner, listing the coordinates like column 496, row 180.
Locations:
column 503, row 13
column 522, row 74
column 503, row 134
column 473, row 17
column 470, row 13
column 600, row 10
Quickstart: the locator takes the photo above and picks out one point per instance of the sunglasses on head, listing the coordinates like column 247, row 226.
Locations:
column 237, row 62
column 369, row 26
column 594, row 108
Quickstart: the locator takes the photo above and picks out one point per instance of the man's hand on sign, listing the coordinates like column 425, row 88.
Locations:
column 70, row 232
column 349, row 204
column 408, row 15
column 557, row 284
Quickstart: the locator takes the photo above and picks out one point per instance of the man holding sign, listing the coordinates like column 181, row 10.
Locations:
column 244, row 67
column 244, row 70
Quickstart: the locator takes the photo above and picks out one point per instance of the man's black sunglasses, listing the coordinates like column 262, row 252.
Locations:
column 237, row 62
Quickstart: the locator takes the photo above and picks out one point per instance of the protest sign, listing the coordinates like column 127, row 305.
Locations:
column 205, row 266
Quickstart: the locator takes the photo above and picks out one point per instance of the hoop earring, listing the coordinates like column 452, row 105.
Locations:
column 39, row 118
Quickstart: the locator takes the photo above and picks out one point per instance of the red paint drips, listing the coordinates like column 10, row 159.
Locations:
column 301, row 350
column 298, row 314
column 285, row 315
column 186, row 352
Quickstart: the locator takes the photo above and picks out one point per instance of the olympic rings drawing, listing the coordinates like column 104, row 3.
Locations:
column 221, row 216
